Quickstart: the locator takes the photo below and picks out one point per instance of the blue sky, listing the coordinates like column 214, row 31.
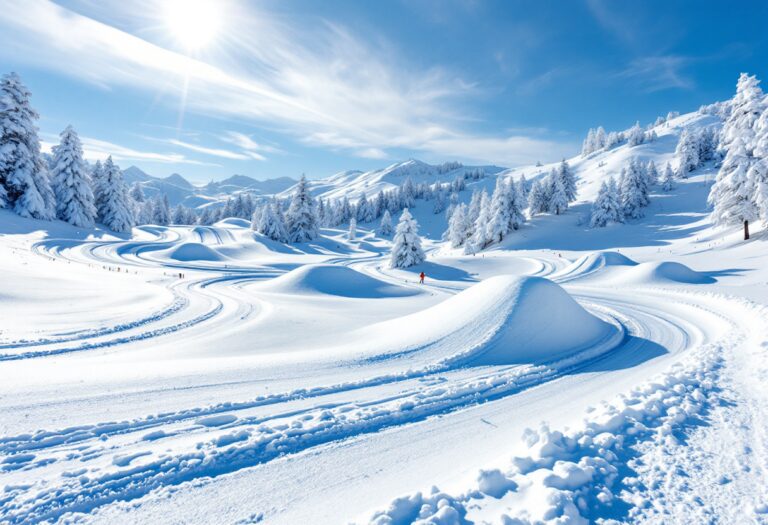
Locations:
column 288, row 87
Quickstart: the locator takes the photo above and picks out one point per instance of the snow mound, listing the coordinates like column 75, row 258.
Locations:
column 330, row 279
column 503, row 320
column 234, row 221
column 192, row 251
column 591, row 263
column 661, row 273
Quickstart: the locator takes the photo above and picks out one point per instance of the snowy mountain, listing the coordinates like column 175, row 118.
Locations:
column 354, row 183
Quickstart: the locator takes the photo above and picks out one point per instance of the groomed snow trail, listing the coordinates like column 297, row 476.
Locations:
column 362, row 428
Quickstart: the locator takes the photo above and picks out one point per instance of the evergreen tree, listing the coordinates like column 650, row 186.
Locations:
column 179, row 215
column 651, row 173
column 668, row 180
column 161, row 214
column 364, row 210
column 24, row 175
column 480, row 231
column 633, row 191
column 688, row 152
column 407, row 194
column 406, row 249
column 500, row 219
column 459, row 227
column 352, row 229
column 271, row 223
column 732, row 195
column 568, row 180
column 301, row 220
column 143, row 212
column 385, row 227
column 635, row 135
column 537, row 202
column 71, row 182
column 746, row 108
column 137, row 193
column 521, row 192
column 607, row 207
column 115, row 212
column 558, row 200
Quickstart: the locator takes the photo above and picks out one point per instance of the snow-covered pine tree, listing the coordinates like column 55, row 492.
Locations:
column 558, row 200
column 568, row 179
column 600, row 138
column 651, row 173
column 687, row 152
column 473, row 210
column 385, row 227
column 459, row 227
column 71, row 182
column 364, row 211
column 143, row 212
column 439, row 204
column 407, row 194
column 635, row 135
column 481, row 236
column 301, row 220
column 179, row 215
column 668, row 179
column 115, row 213
column 271, row 223
column 631, row 187
column 161, row 214
column 406, row 249
column 537, row 202
column 521, row 192
column 23, row 172
column 607, row 207
column 732, row 195
column 589, row 143
column 352, row 233
column 746, row 108
column 501, row 204
column 137, row 193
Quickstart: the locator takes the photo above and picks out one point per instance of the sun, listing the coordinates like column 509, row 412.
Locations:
column 194, row 23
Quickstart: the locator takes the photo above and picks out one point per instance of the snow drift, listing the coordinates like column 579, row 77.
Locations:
column 591, row 263
column 663, row 272
column 331, row 279
column 503, row 320
column 192, row 251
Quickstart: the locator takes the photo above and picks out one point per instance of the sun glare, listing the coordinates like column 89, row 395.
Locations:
column 194, row 23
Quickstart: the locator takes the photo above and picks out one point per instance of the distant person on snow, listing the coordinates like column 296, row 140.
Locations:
column 421, row 277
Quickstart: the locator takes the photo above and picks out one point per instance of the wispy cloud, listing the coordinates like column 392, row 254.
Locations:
column 323, row 85
column 656, row 73
column 95, row 149
column 246, row 143
column 216, row 152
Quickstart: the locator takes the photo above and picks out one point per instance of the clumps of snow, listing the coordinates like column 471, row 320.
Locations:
column 663, row 272
column 330, row 279
column 572, row 476
column 234, row 221
column 591, row 263
column 192, row 251
column 436, row 508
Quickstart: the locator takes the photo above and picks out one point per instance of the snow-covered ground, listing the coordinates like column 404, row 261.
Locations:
column 571, row 375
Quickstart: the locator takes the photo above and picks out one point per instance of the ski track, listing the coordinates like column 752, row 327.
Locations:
column 122, row 460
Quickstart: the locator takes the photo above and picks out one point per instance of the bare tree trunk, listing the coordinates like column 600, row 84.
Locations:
column 746, row 230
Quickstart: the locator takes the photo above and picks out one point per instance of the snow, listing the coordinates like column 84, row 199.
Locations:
column 331, row 279
column 568, row 374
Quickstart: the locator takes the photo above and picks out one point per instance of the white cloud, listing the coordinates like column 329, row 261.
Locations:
column 656, row 73
column 95, row 149
column 320, row 84
column 216, row 152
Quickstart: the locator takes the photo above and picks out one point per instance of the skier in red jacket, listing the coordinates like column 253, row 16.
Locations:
column 421, row 277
